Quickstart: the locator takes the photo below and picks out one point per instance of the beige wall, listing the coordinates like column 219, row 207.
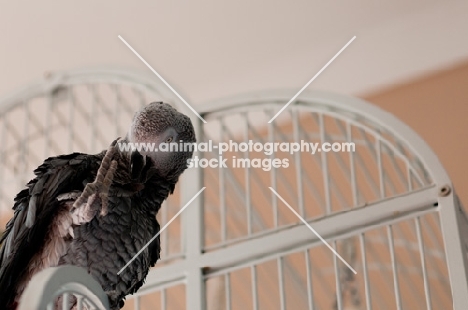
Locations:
column 436, row 107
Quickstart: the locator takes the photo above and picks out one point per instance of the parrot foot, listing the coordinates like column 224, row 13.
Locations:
column 101, row 185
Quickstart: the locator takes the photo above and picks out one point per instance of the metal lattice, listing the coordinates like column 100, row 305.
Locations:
column 388, row 208
column 322, row 185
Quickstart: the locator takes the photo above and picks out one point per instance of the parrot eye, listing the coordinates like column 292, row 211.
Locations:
column 169, row 139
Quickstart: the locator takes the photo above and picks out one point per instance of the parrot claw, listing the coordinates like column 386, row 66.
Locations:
column 70, row 232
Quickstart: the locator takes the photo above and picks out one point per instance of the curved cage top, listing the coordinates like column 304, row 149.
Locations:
column 370, row 163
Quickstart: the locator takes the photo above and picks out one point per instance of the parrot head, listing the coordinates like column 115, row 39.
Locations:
column 160, row 125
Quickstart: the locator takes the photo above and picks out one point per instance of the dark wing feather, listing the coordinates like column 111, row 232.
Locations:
column 34, row 209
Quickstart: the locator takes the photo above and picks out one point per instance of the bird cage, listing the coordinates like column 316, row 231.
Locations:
column 386, row 206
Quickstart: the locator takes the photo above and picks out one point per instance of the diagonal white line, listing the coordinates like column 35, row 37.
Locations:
column 312, row 79
column 161, row 78
column 313, row 230
column 161, row 230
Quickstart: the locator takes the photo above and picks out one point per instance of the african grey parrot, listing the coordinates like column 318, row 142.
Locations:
column 97, row 211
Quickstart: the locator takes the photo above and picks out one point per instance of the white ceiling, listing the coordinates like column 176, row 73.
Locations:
column 210, row 49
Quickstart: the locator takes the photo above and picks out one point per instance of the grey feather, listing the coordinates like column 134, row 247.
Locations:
column 31, row 218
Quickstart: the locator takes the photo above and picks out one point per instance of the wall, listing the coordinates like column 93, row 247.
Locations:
column 436, row 108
